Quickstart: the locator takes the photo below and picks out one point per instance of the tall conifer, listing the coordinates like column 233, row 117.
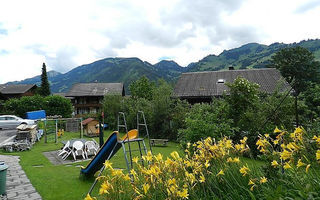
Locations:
column 45, row 86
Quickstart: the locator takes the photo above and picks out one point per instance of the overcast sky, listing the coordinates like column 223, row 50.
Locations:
column 67, row 33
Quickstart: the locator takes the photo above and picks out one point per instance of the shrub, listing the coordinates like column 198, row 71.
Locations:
column 53, row 105
column 24, row 104
column 131, row 108
column 205, row 120
column 112, row 105
column 142, row 88
column 57, row 105
column 243, row 96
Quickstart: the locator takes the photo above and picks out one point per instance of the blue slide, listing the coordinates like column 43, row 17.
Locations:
column 109, row 148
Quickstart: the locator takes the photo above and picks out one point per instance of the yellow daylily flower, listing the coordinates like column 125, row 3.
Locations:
column 307, row 168
column 274, row 164
column 244, row 140
column 263, row 180
column 300, row 163
column 236, row 160
column 221, row 172
column 287, row 166
column 298, row 130
column 172, row 181
column 135, row 159
column 237, row 146
column 285, row 155
column 88, row 197
column 134, row 174
column 183, row 194
column 105, row 186
column 108, row 164
column 244, row 170
column 127, row 177
column 146, row 188
column 207, row 164
column 117, row 172
column 251, row 182
column 318, row 154
column 317, row 139
column 175, row 155
column 159, row 157
column 202, row 179
column 276, row 130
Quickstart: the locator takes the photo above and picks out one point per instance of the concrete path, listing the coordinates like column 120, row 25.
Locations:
column 18, row 184
column 57, row 160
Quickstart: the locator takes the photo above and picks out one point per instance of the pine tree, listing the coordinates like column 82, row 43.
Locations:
column 45, row 87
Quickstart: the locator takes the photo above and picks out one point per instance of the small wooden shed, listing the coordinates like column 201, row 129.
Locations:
column 91, row 127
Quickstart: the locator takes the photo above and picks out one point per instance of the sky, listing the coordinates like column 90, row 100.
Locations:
column 65, row 34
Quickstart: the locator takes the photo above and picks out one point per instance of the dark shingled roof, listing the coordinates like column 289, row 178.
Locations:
column 205, row 84
column 95, row 89
column 16, row 89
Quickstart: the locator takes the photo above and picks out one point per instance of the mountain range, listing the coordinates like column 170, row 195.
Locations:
column 126, row 70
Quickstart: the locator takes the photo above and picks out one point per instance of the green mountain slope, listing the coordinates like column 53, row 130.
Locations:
column 252, row 55
column 37, row 79
column 126, row 70
column 123, row 70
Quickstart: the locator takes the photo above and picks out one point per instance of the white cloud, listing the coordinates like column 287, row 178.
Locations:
column 66, row 34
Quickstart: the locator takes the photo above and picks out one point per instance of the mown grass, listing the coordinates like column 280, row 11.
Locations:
column 62, row 181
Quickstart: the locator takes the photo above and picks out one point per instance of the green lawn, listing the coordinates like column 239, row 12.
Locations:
column 62, row 181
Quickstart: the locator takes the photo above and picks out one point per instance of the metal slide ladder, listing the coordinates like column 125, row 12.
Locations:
column 124, row 125
column 144, row 123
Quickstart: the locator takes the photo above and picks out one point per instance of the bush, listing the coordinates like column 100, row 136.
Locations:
column 112, row 105
column 243, row 96
column 142, row 88
column 311, row 98
column 24, row 104
column 53, row 105
column 205, row 120
column 131, row 108
column 57, row 105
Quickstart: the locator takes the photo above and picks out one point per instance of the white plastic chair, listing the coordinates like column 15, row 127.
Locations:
column 65, row 150
column 95, row 143
column 77, row 149
column 90, row 148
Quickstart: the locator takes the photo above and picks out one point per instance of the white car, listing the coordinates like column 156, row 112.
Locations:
column 12, row 121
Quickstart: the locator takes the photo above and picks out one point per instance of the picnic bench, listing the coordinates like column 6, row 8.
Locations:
column 163, row 142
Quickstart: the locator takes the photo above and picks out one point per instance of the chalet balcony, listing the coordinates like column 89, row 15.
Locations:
column 87, row 105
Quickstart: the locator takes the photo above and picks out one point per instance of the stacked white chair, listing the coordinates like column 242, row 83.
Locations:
column 77, row 149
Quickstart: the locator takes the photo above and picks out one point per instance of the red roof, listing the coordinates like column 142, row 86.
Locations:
column 86, row 121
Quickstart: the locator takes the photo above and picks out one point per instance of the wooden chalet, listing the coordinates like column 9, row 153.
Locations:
column 197, row 87
column 17, row 90
column 87, row 97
